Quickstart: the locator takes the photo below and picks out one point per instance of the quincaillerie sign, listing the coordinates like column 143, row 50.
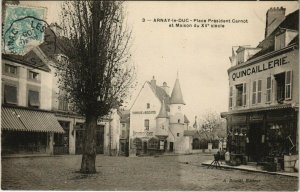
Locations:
column 144, row 112
column 260, row 67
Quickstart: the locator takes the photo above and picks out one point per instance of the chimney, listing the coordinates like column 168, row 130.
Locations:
column 153, row 82
column 166, row 88
column 274, row 17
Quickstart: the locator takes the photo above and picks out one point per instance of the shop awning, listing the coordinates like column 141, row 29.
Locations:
column 270, row 108
column 18, row 119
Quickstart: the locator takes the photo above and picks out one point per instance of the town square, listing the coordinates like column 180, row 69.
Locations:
column 159, row 96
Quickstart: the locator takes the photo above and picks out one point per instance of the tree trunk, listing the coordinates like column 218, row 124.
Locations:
column 89, row 146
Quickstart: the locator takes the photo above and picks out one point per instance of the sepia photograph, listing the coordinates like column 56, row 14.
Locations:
column 150, row 95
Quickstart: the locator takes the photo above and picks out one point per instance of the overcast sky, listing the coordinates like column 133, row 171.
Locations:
column 200, row 55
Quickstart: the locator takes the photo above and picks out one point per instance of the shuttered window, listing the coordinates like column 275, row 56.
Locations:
column 146, row 124
column 288, row 85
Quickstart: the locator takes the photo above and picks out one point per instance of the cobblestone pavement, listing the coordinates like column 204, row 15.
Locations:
column 136, row 173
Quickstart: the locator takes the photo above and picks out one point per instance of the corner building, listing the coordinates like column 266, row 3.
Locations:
column 157, row 121
column 262, row 119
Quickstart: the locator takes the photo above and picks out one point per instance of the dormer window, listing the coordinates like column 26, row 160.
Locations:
column 148, row 105
column 10, row 69
column 284, row 37
column 33, row 76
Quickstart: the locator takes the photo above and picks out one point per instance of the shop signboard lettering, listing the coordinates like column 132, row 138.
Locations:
column 260, row 67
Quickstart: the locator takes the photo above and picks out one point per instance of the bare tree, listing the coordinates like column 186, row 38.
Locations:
column 96, row 74
column 211, row 122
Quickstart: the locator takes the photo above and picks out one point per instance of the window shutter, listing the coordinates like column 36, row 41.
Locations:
column 230, row 97
column 254, row 92
column 288, row 85
column 259, row 91
column 269, row 89
column 244, row 94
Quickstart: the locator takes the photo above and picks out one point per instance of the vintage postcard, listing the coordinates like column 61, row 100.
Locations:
column 150, row 95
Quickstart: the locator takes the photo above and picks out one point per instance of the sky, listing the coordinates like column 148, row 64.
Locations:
column 200, row 56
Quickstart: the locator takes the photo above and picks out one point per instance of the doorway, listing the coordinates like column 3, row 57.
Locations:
column 171, row 146
column 255, row 146
column 145, row 147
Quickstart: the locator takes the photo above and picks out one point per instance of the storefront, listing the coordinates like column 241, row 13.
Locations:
column 261, row 134
column 28, row 131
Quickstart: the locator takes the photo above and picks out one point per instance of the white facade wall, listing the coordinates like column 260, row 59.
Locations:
column 176, row 113
column 44, row 86
column 292, row 65
column 137, row 120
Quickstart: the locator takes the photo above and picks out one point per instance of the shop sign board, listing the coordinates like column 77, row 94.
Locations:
column 238, row 119
column 256, row 117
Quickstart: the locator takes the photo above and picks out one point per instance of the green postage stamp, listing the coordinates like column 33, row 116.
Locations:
column 24, row 29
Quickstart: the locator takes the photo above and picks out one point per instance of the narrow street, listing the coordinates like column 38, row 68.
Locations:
column 183, row 172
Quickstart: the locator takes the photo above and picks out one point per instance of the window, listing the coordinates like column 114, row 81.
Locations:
column 256, row 92
column 280, row 87
column 33, row 76
column 146, row 124
column 230, row 97
column 178, row 120
column 148, row 105
column 33, row 99
column 288, row 85
column 10, row 69
column 123, row 125
column 179, row 108
column 63, row 104
column 280, row 41
column 239, row 94
column 163, row 127
column 10, row 95
column 178, row 134
column 269, row 89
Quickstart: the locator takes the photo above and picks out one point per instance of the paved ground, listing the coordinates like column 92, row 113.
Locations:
column 136, row 173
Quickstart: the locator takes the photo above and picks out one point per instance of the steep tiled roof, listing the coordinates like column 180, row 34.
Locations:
column 176, row 96
column 268, row 44
column 163, row 111
column 162, row 95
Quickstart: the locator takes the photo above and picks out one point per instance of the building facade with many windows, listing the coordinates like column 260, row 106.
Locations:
column 262, row 119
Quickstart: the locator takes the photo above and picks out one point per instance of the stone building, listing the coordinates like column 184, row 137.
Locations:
column 157, row 120
column 262, row 117
column 27, row 122
column 35, row 116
